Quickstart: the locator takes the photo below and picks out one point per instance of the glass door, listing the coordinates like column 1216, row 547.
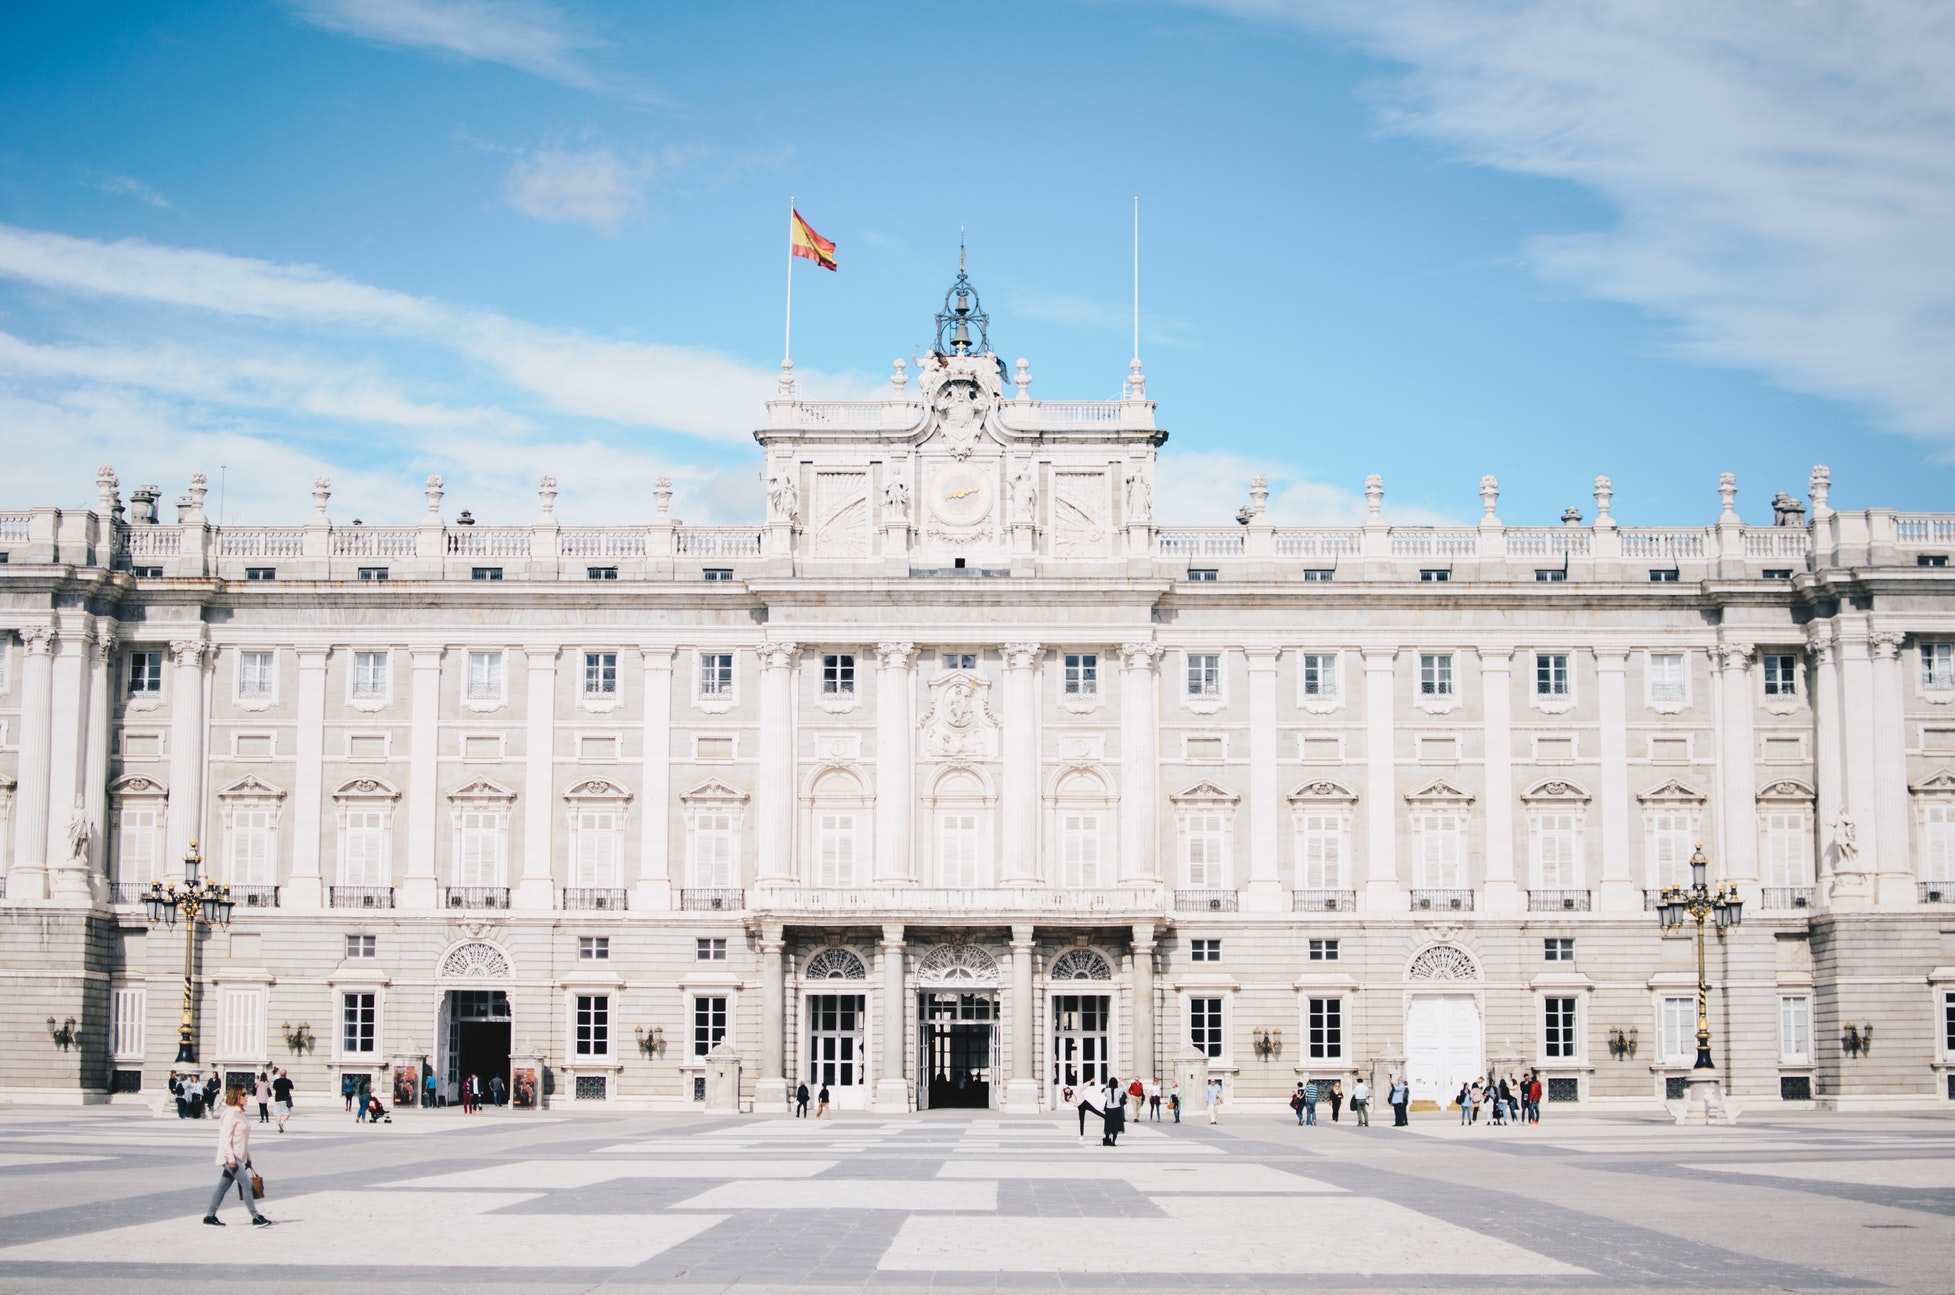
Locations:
column 1081, row 1038
column 835, row 1048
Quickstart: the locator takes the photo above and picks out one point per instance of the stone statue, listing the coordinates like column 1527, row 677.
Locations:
column 896, row 501
column 1845, row 840
column 783, row 499
column 1140, row 500
column 79, row 833
column 1024, row 495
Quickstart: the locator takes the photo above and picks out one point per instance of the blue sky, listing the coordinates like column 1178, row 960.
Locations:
column 492, row 238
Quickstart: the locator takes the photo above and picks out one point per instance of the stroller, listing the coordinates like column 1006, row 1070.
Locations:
column 376, row 1113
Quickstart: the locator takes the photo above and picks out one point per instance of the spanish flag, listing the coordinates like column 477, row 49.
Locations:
column 803, row 241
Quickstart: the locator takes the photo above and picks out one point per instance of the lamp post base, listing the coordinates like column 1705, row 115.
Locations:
column 1704, row 1101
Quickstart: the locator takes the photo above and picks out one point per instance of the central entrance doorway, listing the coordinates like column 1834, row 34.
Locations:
column 958, row 1038
column 835, row 1049
column 476, row 1029
column 1442, row 1046
column 1081, row 1037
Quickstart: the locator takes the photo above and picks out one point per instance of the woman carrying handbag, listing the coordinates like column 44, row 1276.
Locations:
column 234, row 1159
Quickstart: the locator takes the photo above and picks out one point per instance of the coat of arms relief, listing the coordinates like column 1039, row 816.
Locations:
column 959, row 724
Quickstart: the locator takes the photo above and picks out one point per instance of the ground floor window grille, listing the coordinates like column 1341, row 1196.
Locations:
column 708, row 1024
column 1205, row 1025
column 1326, row 1029
column 1795, row 1088
column 590, row 1088
column 1560, row 1027
column 1675, row 1088
column 1564, row 1089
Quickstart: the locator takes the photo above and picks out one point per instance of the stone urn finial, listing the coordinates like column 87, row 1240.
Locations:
column 1374, row 494
column 434, row 491
column 546, row 493
column 1727, row 490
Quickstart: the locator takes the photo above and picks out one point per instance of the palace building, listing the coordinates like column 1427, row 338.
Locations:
column 959, row 779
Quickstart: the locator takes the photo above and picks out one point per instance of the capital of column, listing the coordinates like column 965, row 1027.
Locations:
column 426, row 657
column 1820, row 643
column 1611, row 659
column 1886, row 644
column 1262, row 660
column 313, row 658
column 188, row 652
column 895, row 656
column 1143, row 937
column 892, row 938
column 104, row 641
column 1021, row 656
column 1496, row 660
column 542, row 656
column 778, row 655
column 1734, row 657
column 1140, row 656
column 773, row 937
column 1022, row 937
column 1378, row 658
column 657, row 656
column 37, row 639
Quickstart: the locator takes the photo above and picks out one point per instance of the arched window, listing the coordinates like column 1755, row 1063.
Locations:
column 960, row 808
column 1672, row 814
column 1080, row 964
column 251, row 812
column 597, row 829
column 838, row 809
column 834, row 964
column 1082, row 819
column 141, row 809
column 714, row 813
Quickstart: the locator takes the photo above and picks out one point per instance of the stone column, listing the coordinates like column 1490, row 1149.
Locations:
column 420, row 885
column 186, row 753
column 770, row 1087
column 95, row 775
column 1500, row 893
column 1019, row 857
column 1738, row 759
column 1859, row 843
column 1146, row 1063
column 1382, row 893
column 1022, row 1092
column 655, row 891
column 1895, row 881
column 538, row 887
column 1826, row 755
column 67, row 882
column 1618, row 892
column 895, row 764
column 27, row 879
column 1139, row 764
column 1265, row 893
column 303, row 888
column 892, row 1056
column 774, row 800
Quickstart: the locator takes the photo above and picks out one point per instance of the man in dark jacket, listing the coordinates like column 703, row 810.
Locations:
column 801, row 1102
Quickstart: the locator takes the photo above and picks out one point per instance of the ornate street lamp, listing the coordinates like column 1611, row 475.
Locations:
column 1679, row 904
column 201, row 903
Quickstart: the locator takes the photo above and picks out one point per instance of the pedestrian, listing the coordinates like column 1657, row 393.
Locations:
column 1113, row 1122
column 1214, row 1101
column 1401, row 1095
column 1154, row 1099
column 360, row 1091
column 1310, row 1094
column 212, row 1087
column 182, row 1095
column 801, row 1101
column 1077, row 1099
column 1336, row 1098
column 282, row 1097
column 347, row 1087
column 262, row 1093
column 468, row 1094
column 497, row 1089
column 1465, row 1100
column 821, row 1105
column 1534, row 1099
column 1174, row 1102
column 432, row 1097
column 1296, row 1104
column 1498, row 1091
column 1137, row 1095
column 1361, row 1103
column 234, row 1159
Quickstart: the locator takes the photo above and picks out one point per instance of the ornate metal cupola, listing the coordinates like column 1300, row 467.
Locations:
column 955, row 321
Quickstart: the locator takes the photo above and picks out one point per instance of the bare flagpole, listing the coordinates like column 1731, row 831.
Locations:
column 787, row 342
column 1136, row 279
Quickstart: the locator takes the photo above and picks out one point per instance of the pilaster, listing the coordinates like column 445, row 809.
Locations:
column 187, row 755
column 303, row 888
column 654, row 890
column 419, row 887
column 27, row 879
column 1145, row 1059
column 892, row 1044
column 1500, row 893
column 1265, row 892
column 1382, row 892
column 1022, row 1090
column 1139, row 763
column 774, row 798
column 67, row 877
column 537, row 889
column 1020, row 856
column 1618, row 892
column 770, row 1086
column 1737, row 758
column 1894, row 884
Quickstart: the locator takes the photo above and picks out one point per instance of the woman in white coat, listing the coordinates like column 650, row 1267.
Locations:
column 233, row 1158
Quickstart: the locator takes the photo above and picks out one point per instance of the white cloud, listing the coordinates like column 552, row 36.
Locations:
column 540, row 39
column 128, row 186
column 1783, row 172
column 594, row 186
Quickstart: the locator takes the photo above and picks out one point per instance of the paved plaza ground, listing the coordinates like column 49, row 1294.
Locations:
column 110, row 1201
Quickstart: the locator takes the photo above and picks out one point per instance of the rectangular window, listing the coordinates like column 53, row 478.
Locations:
column 249, row 860
column 1204, row 575
column 478, row 840
column 958, row 661
column 485, row 573
column 146, row 573
column 139, row 845
column 1937, row 843
column 1663, row 576
column 712, row 850
column 1931, row 560
column 1326, row 1029
column 1679, row 1030
column 717, row 575
column 594, row 948
column 1079, row 849
column 1205, row 1026
column 957, row 850
column 244, row 1025
column 1558, row 1032
column 126, row 1011
column 1558, row 950
column 1323, row 951
column 596, row 862
column 485, row 676
column 1670, row 848
column 708, row 1024
column 1436, row 674
column 1666, row 677
column 255, row 675
column 1948, row 1025
column 1204, row 950
column 1938, row 667
column 600, row 674
column 600, row 573
column 1204, row 674
column 1777, row 573
column 370, row 676
column 593, row 1025
column 145, row 673
column 711, row 949
column 838, row 674
column 1320, row 675
column 1781, row 674
column 365, row 846
column 1319, row 575
column 362, row 946
column 1321, row 851
column 1550, row 575
column 1556, row 845
column 715, row 674
column 1082, row 674
column 1785, row 849
column 357, row 1035
column 258, row 574
column 1550, row 674
column 1439, row 851
column 1795, row 1028
column 1207, row 845
column 834, row 849
column 374, row 575
column 1435, row 575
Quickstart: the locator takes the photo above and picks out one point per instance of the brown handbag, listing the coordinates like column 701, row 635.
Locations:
column 257, row 1183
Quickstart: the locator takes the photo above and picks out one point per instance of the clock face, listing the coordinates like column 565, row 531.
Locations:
column 961, row 495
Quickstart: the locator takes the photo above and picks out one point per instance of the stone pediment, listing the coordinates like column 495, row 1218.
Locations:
column 134, row 784
column 1323, row 789
column 1556, row 789
column 1206, row 793
column 714, row 789
column 596, row 789
column 959, row 724
column 1787, row 789
column 1941, row 782
column 1439, row 791
column 371, row 787
column 1672, row 793
column 482, row 789
column 250, row 787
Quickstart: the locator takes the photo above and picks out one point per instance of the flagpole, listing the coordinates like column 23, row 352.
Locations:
column 1136, row 278
column 787, row 343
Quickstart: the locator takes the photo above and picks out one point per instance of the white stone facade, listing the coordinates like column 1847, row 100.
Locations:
column 959, row 770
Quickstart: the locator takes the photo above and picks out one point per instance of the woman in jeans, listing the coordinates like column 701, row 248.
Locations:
column 233, row 1158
